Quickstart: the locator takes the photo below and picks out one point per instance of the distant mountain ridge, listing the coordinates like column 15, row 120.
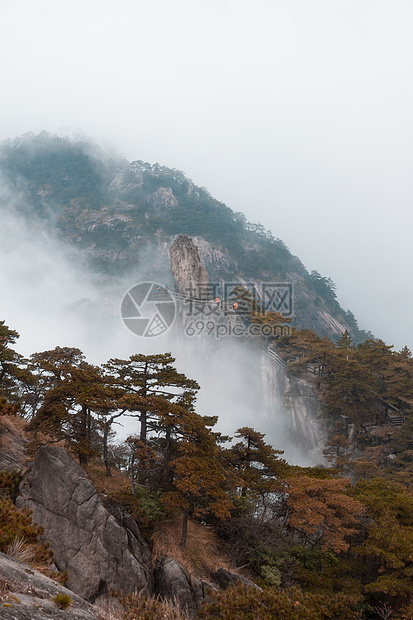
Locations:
column 112, row 213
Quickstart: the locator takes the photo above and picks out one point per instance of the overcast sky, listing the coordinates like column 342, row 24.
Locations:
column 296, row 112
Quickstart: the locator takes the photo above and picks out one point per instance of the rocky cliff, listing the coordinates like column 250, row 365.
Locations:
column 189, row 273
column 120, row 218
column 294, row 412
column 101, row 547
column 304, row 411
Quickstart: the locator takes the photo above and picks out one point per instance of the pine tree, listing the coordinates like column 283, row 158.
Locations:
column 149, row 376
column 257, row 464
column 73, row 393
column 13, row 373
column 198, row 478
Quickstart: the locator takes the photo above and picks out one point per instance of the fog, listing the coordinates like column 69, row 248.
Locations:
column 52, row 300
column 296, row 113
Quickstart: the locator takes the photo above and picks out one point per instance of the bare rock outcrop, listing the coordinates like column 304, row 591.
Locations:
column 217, row 260
column 162, row 200
column 304, row 407
column 189, row 273
column 173, row 582
column 100, row 547
column 26, row 594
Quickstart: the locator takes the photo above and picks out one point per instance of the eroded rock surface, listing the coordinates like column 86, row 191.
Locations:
column 173, row 582
column 189, row 273
column 162, row 200
column 26, row 594
column 304, row 407
column 100, row 547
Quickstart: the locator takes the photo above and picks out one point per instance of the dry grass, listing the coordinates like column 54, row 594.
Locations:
column 203, row 554
column 21, row 550
column 110, row 608
column 140, row 606
column 28, row 553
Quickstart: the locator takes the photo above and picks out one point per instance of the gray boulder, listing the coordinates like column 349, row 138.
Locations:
column 173, row 582
column 26, row 594
column 101, row 547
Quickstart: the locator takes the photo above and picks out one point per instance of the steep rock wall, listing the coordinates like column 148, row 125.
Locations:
column 101, row 548
column 304, row 410
column 187, row 269
column 295, row 410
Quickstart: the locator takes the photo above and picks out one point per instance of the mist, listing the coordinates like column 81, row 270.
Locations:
column 296, row 113
column 51, row 299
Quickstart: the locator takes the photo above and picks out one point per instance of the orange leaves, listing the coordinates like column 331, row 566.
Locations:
column 6, row 408
column 199, row 478
column 322, row 511
column 256, row 464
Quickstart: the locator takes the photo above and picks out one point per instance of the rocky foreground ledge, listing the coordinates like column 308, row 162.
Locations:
column 26, row 594
column 92, row 538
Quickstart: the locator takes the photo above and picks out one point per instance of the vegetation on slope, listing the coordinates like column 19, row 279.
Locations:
column 318, row 543
column 110, row 212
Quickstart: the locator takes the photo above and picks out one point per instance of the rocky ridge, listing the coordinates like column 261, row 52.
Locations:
column 120, row 219
column 92, row 538
column 189, row 273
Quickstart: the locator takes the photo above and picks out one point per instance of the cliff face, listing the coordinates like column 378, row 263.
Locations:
column 190, row 275
column 294, row 412
column 304, row 411
column 114, row 215
column 101, row 548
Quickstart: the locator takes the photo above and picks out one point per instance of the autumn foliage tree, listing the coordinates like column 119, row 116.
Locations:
column 70, row 406
column 13, row 373
column 388, row 539
column 256, row 464
column 322, row 511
